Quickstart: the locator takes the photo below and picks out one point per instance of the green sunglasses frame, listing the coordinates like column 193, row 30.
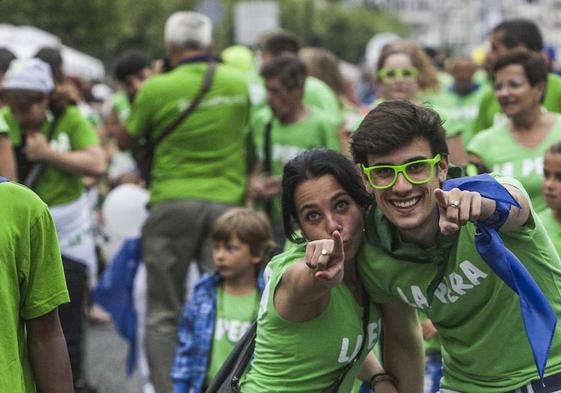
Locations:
column 399, row 72
column 401, row 169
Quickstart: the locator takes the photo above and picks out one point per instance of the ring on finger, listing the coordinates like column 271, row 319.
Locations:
column 454, row 204
column 324, row 252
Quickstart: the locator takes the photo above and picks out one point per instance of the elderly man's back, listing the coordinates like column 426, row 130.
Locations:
column 201, row 158
column 199, row 172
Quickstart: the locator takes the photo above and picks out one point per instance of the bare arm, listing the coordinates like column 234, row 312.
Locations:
column 125, row 140
column 403, row 346
column 89, row 161
column 369, row 367
column 7, row 160
column 48, row 354
column 303, row 292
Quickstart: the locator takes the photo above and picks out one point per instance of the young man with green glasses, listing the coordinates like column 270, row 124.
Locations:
column 424, row 248
column 418, row 171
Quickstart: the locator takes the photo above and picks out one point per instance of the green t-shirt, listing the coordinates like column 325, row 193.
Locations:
column 288, row 140
column 73, row 132
column 203, row 158
column 234, row 315
column 552, row 227
column 317, row 94
column 32, row 280
column 501, row 153
column 478, row 318
column 461, row 111
column 489, row 107
column 307, row 357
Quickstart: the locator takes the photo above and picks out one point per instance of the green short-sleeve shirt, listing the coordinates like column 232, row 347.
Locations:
column 501, row 153
column 307, row 357
column 288, row 140
column 478, row 317
column 72, row 132
column 204, row 157
column 234, row 315
column 31, row 279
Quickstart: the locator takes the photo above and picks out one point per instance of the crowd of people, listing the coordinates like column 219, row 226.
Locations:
column 409, row 244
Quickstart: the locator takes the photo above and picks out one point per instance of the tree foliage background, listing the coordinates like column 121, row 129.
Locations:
column 103, row 28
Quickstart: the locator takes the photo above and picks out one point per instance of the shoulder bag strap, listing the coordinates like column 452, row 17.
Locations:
column 209, row 75
column 267, row 163
column 233, row 367
column 35, row 171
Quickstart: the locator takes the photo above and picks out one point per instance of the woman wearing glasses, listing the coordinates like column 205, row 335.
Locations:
column 516, row 145
column 311, row 330
column 404, row 72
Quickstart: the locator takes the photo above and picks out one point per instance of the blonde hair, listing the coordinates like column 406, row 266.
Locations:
column 323, row 65
column 250, row 227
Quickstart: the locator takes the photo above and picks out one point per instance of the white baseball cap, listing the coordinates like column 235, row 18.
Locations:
column 29, row 74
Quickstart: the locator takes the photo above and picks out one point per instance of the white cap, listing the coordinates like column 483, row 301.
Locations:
column 187, row 26
column 29, row 74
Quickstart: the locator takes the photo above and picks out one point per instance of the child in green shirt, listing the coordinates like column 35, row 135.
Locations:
column 551, row 188
column 223, row 305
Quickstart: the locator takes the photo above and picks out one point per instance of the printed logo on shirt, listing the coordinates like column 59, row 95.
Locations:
column 285, row 153
column 450, row 289
column 233, row 330
column 527, row 167
column 345, row 356
column 61, row 143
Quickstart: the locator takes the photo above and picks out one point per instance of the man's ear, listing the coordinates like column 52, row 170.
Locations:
column 443, row 168
column 364, row 179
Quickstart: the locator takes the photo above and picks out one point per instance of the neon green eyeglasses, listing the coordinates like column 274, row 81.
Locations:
column 415, row 172
column 404, row 72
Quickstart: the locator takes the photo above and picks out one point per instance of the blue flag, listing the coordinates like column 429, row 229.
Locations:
column 114, row 293
column 538, row 315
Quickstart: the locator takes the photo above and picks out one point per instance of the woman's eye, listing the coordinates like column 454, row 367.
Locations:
column 342, row 205
column 312, row 216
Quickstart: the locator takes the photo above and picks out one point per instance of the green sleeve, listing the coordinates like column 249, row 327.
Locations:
column 552, row 99
column 81, row 132
column 479, row 145
column 138, row 122
column 488, row 106
column 331, row 137
column 4, row 128
column 44, row 285
column 318, row 94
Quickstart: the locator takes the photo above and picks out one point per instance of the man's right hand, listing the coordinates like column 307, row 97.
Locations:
column 263, row 188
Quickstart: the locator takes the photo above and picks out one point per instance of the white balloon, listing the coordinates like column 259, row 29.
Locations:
column 124, row 210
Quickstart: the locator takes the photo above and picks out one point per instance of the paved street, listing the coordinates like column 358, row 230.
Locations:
column 106, row 361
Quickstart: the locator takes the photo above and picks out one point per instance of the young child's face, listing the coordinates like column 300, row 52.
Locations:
column 551, row 185
column 233, row 258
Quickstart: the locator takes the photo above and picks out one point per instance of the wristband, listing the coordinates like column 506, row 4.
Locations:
column 379, row 377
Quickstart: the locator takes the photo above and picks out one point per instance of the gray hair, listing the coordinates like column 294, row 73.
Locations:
column 188, row 30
